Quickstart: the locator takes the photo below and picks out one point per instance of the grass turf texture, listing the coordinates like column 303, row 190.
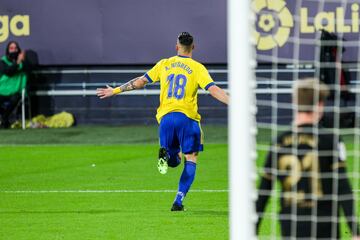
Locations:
column 125, row 159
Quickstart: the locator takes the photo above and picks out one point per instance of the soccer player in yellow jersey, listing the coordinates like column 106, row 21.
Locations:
column 180, row 78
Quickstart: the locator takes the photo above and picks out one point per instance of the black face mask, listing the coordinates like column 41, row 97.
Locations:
column 13, row 56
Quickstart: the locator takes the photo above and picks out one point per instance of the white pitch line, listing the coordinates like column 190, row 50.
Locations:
column 121, row 191
column 111, row 191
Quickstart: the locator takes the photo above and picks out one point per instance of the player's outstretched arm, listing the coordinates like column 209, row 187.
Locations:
column 265, row 186
column 219, row 94
column 347, row 202
column 136, row 83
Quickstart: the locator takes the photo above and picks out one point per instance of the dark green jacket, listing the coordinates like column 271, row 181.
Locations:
column 12, row 77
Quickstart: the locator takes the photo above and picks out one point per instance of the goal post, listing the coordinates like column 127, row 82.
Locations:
column 241, row 124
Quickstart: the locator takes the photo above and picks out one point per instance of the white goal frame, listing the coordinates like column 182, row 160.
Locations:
column 241, row 139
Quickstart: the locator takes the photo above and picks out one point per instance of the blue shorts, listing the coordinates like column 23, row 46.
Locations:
column 178, row 132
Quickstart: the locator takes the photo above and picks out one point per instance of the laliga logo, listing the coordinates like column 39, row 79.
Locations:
column 275, row 21
column 19, row 25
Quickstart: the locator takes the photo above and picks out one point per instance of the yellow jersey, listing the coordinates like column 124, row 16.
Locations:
column 180, row 78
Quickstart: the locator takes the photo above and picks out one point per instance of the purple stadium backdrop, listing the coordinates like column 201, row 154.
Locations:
column 140, row 31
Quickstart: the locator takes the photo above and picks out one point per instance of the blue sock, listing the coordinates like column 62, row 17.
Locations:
column 186, row 179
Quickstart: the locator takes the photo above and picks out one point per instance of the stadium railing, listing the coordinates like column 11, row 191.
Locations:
column 83, row 87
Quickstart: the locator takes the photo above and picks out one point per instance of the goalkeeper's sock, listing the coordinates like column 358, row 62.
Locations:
column 186, row 179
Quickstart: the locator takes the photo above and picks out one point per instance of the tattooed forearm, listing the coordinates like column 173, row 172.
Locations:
column 128, row 86
column 135, row 83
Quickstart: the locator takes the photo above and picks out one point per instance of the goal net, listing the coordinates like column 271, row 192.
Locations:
column 307, row 170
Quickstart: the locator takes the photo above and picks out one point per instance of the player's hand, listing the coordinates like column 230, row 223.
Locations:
column 104, row 92
column 356, row 238
column 21, row 57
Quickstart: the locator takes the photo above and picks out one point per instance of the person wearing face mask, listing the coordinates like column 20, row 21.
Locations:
column 13, row 80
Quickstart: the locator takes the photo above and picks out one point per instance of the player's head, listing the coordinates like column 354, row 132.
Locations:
column 309, row 95
column 12, row 50
column 185, row 42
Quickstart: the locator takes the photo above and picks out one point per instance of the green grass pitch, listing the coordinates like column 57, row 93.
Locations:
column 53, row 167
column 102, row 183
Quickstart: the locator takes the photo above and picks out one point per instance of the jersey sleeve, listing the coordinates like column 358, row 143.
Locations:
column 345, row 192
column 265, row 187
column 204, row 79
column 340, row 161
column 347, row 201
column 153, row 75
column 9, row 70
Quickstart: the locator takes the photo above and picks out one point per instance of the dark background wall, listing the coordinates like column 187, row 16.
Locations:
column 273, row 94
column 140, row 108
column 85, row 32
column 118, row 32
column 116, row 35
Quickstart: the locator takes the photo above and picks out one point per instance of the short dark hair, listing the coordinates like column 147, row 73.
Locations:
column 308, row 93
column 185, row 39
column 8, row 45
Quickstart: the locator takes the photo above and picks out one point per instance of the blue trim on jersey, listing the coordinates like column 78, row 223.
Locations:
column 209, row 85
column 183, row 56
column 148, row 78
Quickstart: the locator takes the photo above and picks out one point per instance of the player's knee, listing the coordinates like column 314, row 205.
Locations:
column 191, row 157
